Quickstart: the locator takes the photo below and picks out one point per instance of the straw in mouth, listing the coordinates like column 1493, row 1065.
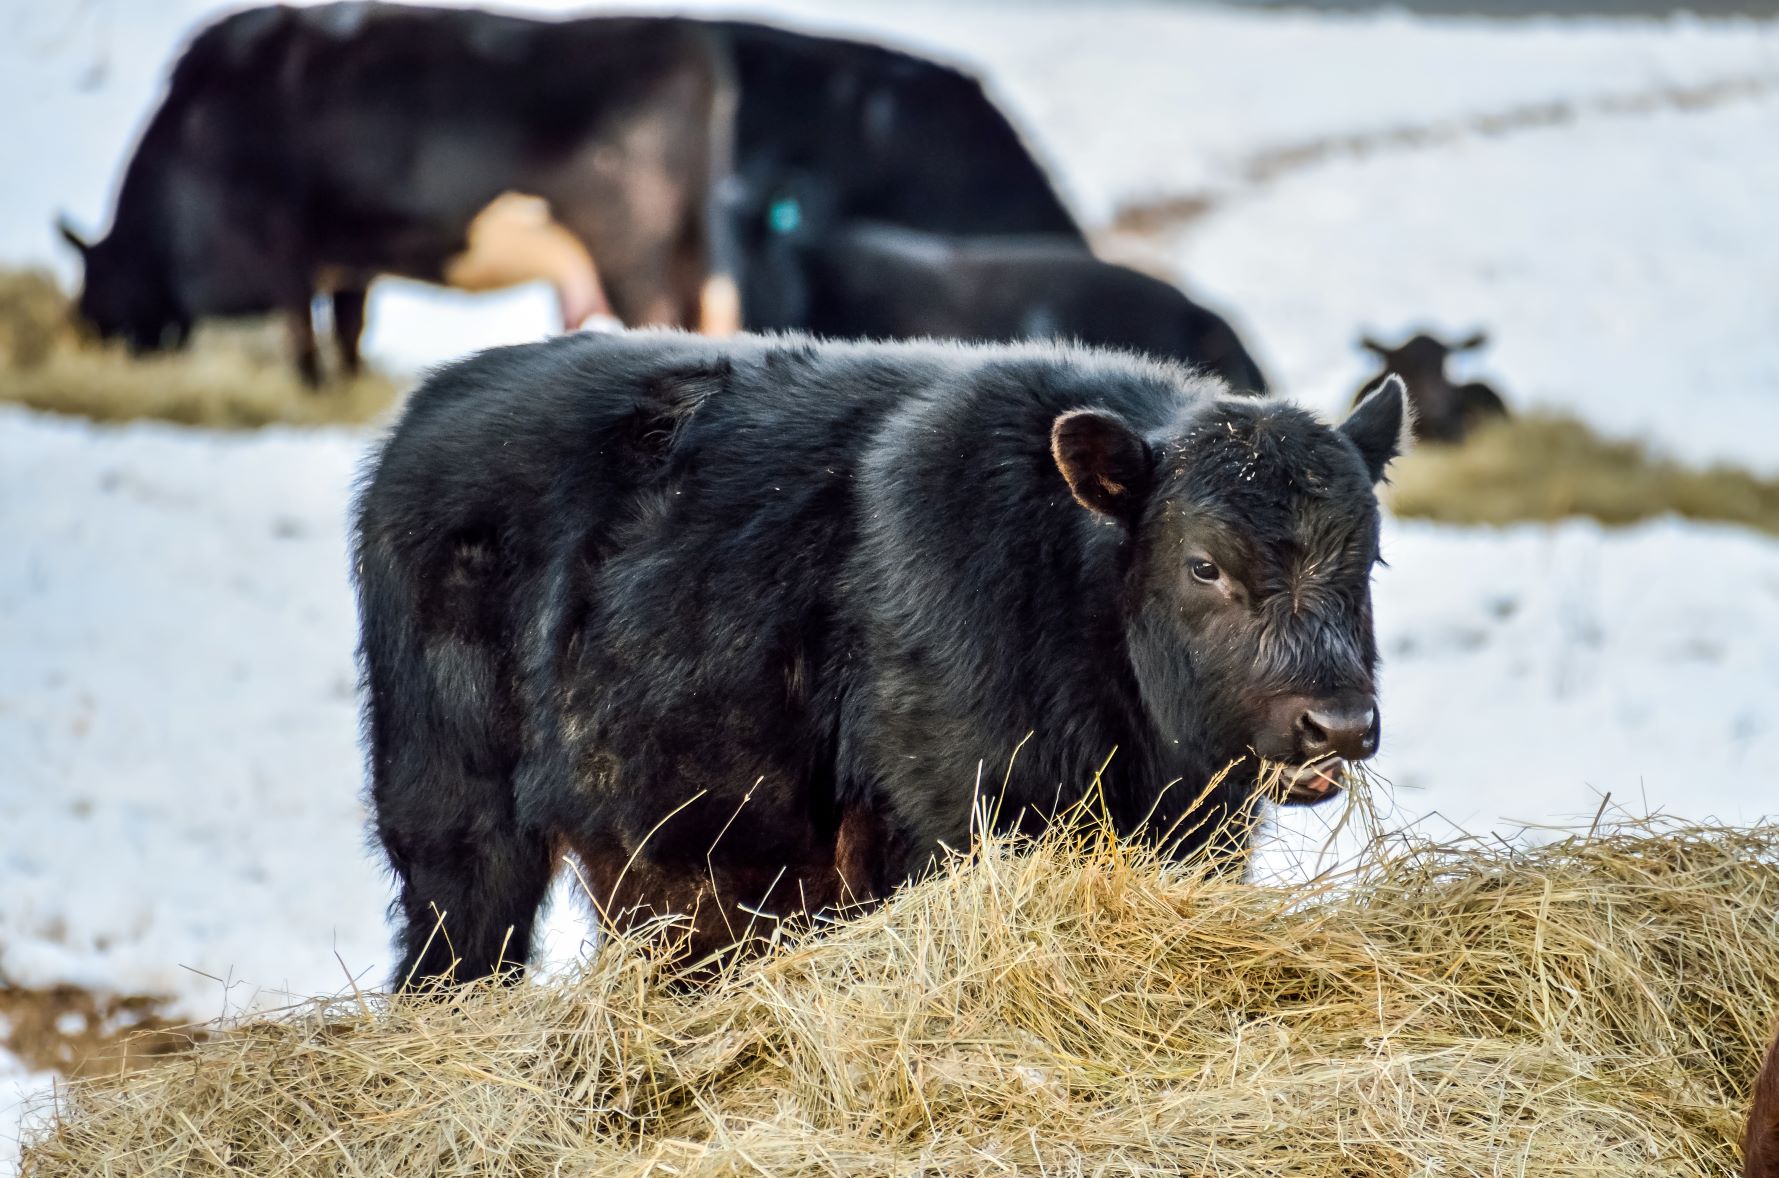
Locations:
column 1315, row 782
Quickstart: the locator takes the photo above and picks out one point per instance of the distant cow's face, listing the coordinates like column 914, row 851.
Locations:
column 122, row 299
column 1254, row 532
column 1443, row 411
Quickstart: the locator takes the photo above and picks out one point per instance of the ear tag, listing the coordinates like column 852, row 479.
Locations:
column 785, row 215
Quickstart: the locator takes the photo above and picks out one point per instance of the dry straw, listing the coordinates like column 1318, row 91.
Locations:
column 232, row 376
column 1596, row 1006
column 1540, row 467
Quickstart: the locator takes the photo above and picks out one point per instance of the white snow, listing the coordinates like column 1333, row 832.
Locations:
column 1623, row 268
column 180, row 809
column 178, row 712
column 25, row 1098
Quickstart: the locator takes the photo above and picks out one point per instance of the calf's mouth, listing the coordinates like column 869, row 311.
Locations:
column 1310, row 783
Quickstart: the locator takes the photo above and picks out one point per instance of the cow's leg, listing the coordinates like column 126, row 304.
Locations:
column 472, row 872
column 300, row 324
column 639, row 198
column 470, row 890
column 444, row 751
column 349, row 328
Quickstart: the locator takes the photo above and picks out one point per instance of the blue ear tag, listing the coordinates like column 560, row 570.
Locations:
column 785, row 215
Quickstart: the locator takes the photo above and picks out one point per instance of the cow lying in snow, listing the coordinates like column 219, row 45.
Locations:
column 887, row 282
column 735, row 622
column 1443, row 411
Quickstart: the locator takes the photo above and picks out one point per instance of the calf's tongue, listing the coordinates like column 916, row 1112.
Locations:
column 1319, row 776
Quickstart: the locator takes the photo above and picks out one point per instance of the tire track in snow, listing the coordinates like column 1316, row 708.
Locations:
column 1161, row 215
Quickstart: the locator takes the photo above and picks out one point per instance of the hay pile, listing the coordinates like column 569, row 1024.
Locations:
column 1543, row 468
column 232, row 375
column 1594, row 1007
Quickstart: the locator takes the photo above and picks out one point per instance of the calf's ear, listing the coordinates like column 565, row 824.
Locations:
column 1107, row 465
column 1471, row 342
column 1382, row 426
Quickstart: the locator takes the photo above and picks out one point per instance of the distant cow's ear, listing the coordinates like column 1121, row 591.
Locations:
column 1382, row 426
column 72, row 237
column 1105, row 462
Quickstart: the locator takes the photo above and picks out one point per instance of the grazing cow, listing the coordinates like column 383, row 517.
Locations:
column 308, row 149
column 1443, row 411
column 886, row 282
column 1760, row 1144
column 736, row 622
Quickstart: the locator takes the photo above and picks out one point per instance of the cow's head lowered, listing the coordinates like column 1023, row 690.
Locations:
column 123, row 294
column 1254, row 530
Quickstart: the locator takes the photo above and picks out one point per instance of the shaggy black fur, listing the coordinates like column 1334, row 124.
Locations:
column 747, row 626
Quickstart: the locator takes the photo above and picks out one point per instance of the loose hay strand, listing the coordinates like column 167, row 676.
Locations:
column 1594, row 1006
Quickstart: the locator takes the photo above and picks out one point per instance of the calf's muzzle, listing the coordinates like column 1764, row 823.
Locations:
column 1318, row 736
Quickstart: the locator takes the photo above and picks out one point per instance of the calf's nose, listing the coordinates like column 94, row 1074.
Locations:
column 1328, row 730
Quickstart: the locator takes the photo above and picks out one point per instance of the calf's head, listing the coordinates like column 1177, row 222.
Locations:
column 1252, row 531
column 1443, row 412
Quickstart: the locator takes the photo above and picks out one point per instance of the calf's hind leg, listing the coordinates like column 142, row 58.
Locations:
column 470, row 894
column 472, row 874
column 444, row 747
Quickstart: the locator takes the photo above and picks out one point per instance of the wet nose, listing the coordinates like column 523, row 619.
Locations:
column 1325, row 730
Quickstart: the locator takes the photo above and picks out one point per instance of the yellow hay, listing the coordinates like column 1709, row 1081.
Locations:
column 1594, row 1007
column 236, row 375
column 1544, row 468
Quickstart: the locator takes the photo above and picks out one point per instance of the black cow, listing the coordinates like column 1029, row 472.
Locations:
column 886, row 282
column 1443, row 411
column 305, row 150
column 830, row 131
column 309, row 149
column 737, row 622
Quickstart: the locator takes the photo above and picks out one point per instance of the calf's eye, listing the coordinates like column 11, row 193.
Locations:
column 1203, row 570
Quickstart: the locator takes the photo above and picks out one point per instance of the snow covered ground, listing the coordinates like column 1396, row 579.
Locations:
column 179, row 809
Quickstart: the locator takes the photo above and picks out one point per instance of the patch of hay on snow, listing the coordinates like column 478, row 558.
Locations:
column 1544, row 468
column 232, row 375
column 1596, row 1006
